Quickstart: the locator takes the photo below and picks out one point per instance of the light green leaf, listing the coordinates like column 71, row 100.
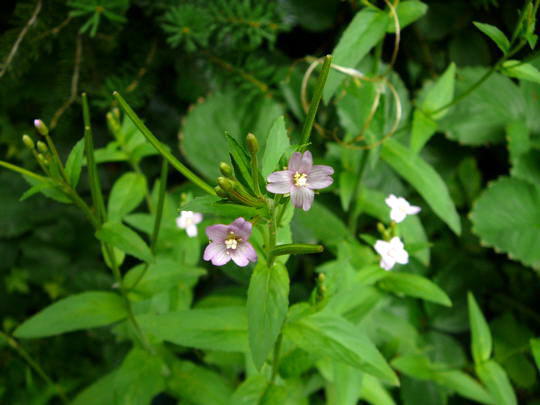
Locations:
column 495, row 379
column 415, row 286
column 535, row 348
column 506, row 217
column 100, row 392
column 90, row 309
column 423, row 127
column 74, row 163
column 374, row 392
column 363, row 33
column 440, row 94
column 407, row 12
column 127, row 193
column 495, row 34
column 198, row 385
column 222, row 328
column 481, row 343
column 424, row 179
column 277, row 143
column 464, row 385
column 125, row 239
column 330, row 335
column 347, row 182
column 267, row 304
column 520, row 70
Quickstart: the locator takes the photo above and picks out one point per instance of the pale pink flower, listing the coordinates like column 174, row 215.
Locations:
column 188, row 220
column 230, row 242
column 391, row 253
column 300, row 179
column 400, row 208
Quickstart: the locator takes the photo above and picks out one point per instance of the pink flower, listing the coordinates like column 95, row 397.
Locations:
column 230, row 242
column 300, row 179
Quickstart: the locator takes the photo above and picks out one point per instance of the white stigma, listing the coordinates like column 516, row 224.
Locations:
column 300, row 179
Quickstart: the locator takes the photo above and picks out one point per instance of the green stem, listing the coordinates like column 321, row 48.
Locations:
column 161, row 148
column 272, row 234
column 353, row 213
column 34, row 365
column 310, row 118
column 296, row 249
column 22, row 171
column 56, row 157
column 275, row 360
column 159, row 216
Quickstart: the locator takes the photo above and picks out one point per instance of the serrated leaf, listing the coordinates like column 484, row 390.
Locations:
column 424, row 179
column 81, row 311
column 126, row 195
column 415, row 286
column 521, row 70
column 506, row 217
column 223, row 328
column 363, row 33
column 124, row 239
column 74, row 163
column 495, row 379
column 407, row 12
column 495, row 34
column 267, row 304
column 277, row 143
column 481, row 343
column 330, row 335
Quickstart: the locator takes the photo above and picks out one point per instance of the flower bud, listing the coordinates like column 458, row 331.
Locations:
column 252, row 143
column 112, row 122
column 42, row 147
column 41, row 127
column 28, row 142
column 225, row 170
column 42, row 159
column 220, row 192
column 225, row 184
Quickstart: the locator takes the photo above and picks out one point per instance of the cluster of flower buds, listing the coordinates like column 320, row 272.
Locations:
column 39, row 149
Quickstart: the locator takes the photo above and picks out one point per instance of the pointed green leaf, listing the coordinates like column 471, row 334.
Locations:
column 535, row 348
column 267, row 304
column 407, row 12
column 277, row 144
column 464, row 385
column 481, row 343
column 415, row 286
column 127, row 193
column 441, row 93
column 90, row 309
column 74, row 163
column 521, row 70
column 423, row 128
column 495, row 379
column 424, row 179
column 495, row 34
column 125, row 239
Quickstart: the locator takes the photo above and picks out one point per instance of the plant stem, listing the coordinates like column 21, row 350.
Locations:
column 161, row 148
column 353, row 213
column 310, row 118
column 22, row 171
column 34, row 365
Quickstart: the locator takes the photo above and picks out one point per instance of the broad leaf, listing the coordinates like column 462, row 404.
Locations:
column 506, row 217
column 495, row 34
column 481, row 343
column 222, row 328
column 125, row 239
column 332, row 336
column 277, row 143
column 74, row 163
column 90, row 309
column 363, row 33
column 127, row 193
column 415, row 286
column 424, row 179
column 267, row 304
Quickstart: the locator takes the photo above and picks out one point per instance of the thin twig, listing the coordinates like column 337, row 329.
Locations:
column 21, row 36
column 74, row 84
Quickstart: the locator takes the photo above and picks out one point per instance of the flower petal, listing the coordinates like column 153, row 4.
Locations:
column 280, row 176
column 318, row 180
column 397, row 215
column 391, row 200
column 413, row 210
column 181, row 222
column 217, row 253
column 319, row 170
column 306, row 163
column 280, row 182
column 217, row 233
column 197, row 217
column 294, row 162
column 192, row 230
column 382, row 247
column 302, row 197
column 241, row 228
column 243, row 254
column 387, row 263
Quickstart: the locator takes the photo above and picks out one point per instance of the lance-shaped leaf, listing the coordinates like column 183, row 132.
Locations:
column 124, row 239
column 126, row 194
column 74, row 163
column 495, row 379
column 415, row 286
column 481, row 343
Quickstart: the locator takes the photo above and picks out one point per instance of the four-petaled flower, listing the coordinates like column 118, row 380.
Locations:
column 391, row 253
column 400, row 208
column 188, row 220
column 300, row 179
column 230, row 242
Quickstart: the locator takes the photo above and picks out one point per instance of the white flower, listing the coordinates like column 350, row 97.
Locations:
column 400, row 208
column 188, row 220
column 391, row 253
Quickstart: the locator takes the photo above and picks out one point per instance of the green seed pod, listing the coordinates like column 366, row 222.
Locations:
column 42, row 147
column 41, row 127
column 226, row 170
column 28, row 142
column 252, row 143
